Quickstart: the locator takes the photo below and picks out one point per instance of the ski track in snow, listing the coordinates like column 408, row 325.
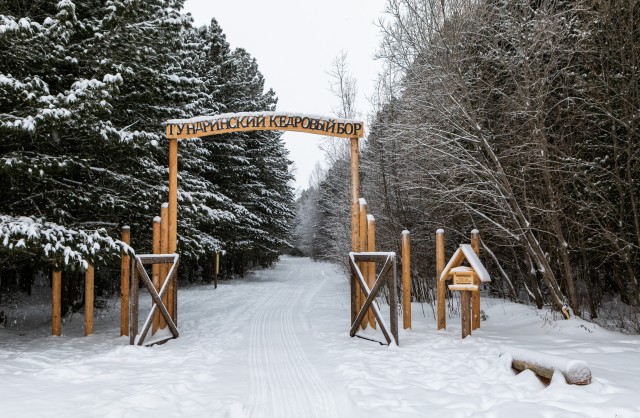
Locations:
column 283, row 381
column 276, row 344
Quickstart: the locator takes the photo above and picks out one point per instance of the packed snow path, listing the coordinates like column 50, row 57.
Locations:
column 276, row 344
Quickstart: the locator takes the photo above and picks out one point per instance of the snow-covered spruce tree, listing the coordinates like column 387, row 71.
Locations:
column 242, row 178
column 85, row 88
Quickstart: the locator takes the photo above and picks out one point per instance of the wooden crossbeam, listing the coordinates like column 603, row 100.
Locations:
column 139, row 272
column 370, row 294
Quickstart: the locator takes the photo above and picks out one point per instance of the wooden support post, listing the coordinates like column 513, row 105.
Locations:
column 156, row 268
column 465, row 314
column 355, row 222
column 124, row 283
column 133, row 310
column 475, row 297
column 217, row 271
column 164, row 249
column 393, row 302
column 442, row 320
column 363, row 248
column 88, row 300
column 371, row 267
column 56, row 297
column 173, row 213
column 406, row 280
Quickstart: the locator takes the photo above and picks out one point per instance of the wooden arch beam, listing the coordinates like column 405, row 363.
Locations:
column 263, row 121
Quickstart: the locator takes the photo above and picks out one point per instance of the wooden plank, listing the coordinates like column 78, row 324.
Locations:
column 124, row 283
column 465, row 313
column 371, row 257
column 56, row 298
column 362, row 245
column 133, row 308
column 463, row 287
column 88, row 300
column 147, row 259
column 393, row 302
column 456, row 259
column 371, row 266
column 475, row 296
column 406, row 280
column 355, row 218
column 156, row 267
column 174, row 288
column 164, row 248
column 475, row 263
column 263, row 121
column 368, row 302
column 216, row 271
column 173, row 199
column 441, row 290
column 371, row 296
column 157, row 298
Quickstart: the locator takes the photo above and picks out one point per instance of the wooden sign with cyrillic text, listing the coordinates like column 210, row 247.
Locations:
column 265, row 121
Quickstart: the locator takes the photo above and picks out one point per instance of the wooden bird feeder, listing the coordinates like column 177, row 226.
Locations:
column 467, row 281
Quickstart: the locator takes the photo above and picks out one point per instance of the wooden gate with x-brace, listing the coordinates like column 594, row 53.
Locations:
column 387, row 274
column 139, row 272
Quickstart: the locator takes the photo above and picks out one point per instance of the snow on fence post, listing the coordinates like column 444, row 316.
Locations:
column 164, row 249
column 371, row 268
column 442, row 321
column 406, row 280
column 88, row 300
column 475, row 296
column 56, row 295
column 156, row 268
column 363, row 248
column 124, row 283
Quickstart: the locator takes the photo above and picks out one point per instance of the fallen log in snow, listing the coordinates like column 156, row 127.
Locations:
column 575, row 372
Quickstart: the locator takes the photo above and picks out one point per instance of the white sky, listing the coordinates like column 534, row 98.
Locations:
column 295, row 42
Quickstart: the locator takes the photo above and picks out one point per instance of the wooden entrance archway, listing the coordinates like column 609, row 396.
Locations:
column 177, row 129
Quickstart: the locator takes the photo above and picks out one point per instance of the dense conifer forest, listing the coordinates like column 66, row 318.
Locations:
column 85, row 87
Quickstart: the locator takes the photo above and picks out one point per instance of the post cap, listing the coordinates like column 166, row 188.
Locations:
column 440, row 231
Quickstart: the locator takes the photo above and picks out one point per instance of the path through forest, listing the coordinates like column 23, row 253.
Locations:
column 276, row 344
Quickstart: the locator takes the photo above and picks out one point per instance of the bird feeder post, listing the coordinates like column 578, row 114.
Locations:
column 475, row 297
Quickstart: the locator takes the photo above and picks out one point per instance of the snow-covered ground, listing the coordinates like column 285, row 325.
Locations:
column 276, row 344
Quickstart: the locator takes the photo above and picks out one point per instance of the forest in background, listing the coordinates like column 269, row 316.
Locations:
column 516, row 117
column 85, row 87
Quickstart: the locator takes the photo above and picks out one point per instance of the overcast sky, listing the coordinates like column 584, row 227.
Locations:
column 295, row 42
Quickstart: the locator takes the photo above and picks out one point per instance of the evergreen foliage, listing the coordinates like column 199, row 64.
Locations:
column 85, row 87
